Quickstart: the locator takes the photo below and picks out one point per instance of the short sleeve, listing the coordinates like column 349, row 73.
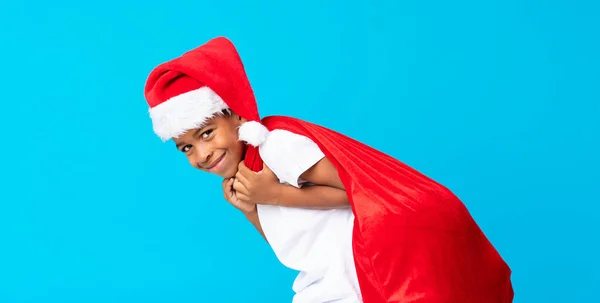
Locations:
column 289, row 155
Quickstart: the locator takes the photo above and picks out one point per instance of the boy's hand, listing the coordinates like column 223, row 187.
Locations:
column 231, row 197
column 256, row 187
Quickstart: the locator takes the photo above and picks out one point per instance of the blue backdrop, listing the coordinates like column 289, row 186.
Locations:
column 498, row 100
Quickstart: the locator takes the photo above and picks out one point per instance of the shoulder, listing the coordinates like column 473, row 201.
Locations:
column 288, row 138
column 289, row 154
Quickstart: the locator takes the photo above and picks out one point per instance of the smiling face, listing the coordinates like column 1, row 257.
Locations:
column 215, row 147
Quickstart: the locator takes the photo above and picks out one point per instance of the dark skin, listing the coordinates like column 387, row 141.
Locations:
column 215, row 148
column 216, row 143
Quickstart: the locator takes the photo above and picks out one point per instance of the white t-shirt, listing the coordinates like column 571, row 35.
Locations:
column 317, row 243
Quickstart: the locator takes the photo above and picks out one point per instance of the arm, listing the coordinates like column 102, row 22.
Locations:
column 264, row 188
column 253, row 218
column 315, row 197
column 248, row 209
column 323, row 173
column 293, row 158
column 328, row 191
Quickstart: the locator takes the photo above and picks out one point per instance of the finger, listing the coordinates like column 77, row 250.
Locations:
column 240, row 188
column 242, row 179
column 244, row 170
column 243, row 197
column 229, row 190
column 226, row 183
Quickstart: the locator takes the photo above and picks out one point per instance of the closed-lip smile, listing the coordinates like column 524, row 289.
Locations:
column 216, row 163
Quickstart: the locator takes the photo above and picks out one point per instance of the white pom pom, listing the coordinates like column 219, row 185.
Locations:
column 253, row 133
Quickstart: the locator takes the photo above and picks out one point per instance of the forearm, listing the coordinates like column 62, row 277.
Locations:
column 315, row 197
column 253, row 218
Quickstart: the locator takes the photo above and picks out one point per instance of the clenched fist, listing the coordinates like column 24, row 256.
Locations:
column 231, row 197
column 256, row 187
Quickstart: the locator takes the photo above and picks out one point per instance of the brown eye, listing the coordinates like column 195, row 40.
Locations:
column 206, row 134
column 186, row 148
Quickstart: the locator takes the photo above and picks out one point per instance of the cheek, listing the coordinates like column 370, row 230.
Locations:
column 238, row 152
column 229, row 142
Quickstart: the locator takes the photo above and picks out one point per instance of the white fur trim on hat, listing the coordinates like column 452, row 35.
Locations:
column 189, row 110
column 253, row 133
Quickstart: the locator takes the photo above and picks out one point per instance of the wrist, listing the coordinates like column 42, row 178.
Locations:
column 251, row 212
column 277, row 192
column 251, row 215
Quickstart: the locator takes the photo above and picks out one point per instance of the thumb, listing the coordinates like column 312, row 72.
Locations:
column 242, row 167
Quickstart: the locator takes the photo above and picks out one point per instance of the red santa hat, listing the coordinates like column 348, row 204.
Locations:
column 187, row 91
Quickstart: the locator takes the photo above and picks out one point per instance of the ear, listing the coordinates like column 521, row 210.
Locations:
column 237, row 119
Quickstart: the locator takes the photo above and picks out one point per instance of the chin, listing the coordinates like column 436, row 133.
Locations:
column 230, row 173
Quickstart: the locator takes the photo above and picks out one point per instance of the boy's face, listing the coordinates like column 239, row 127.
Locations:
column 215, row 147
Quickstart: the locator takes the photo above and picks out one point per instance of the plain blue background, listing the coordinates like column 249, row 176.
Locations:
column 498, row 100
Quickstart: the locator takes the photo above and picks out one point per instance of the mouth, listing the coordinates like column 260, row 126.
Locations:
column 214, row 167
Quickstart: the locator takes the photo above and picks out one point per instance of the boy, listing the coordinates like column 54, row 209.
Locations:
column 357, row 224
